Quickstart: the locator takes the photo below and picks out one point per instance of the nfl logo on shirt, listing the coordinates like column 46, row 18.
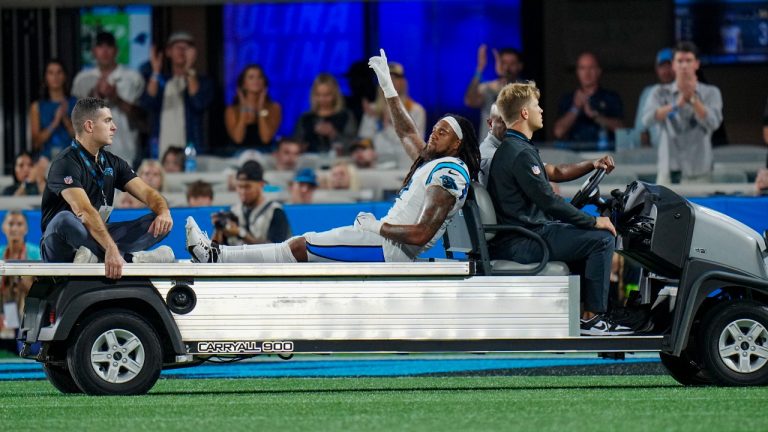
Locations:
column 536, row 170
column 68, row 180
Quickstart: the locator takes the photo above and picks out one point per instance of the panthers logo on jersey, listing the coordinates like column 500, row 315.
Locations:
column 448, row 182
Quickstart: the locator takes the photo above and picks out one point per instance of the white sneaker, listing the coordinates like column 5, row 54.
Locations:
column 163, row 254
column 199, row 245
column 85, row 256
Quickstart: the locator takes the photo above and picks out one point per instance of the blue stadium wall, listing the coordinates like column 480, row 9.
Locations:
column 319, row 217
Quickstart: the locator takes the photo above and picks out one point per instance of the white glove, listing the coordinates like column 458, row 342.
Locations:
column 380, row 66
column 368, row 222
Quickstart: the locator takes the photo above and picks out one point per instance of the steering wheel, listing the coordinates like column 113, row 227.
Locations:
column 589, row 190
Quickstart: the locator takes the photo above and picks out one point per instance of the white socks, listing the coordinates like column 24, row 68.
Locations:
column 263, row 253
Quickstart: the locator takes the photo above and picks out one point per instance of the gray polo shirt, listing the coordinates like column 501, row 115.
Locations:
column 685, row 140
column 487, row 150
column 653, row 130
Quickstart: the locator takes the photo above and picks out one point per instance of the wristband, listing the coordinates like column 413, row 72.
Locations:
column 246, row 109
column 478, row 76
column 573, row 109
column 389, row 90
column 673, row 112
column 155, row 76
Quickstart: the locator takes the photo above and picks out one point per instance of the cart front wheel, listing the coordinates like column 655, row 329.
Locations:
column 735, row 344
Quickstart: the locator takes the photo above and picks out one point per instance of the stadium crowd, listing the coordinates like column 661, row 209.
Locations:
column 345, row 148
column 159, row 113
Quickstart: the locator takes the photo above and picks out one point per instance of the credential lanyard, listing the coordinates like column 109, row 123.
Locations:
column 98, row 175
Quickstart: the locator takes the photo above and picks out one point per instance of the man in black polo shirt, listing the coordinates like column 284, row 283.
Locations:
column 78, row 200
column 518, row 184
column 591, row 113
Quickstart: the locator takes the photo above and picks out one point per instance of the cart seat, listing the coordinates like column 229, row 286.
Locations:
column 475, row 225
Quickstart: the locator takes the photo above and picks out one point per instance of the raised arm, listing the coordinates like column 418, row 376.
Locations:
column 473, row 97
column 269, row 124
column 39, row 134
column 156, row 61
column 235, row 123
column 404, row 126
column 569, row 113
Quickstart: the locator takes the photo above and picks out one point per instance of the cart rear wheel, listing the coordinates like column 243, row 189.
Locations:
column 115, row 353
column 60, row 378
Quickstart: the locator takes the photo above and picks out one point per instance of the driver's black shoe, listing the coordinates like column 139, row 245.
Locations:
column 638, row 318
column 602, row 325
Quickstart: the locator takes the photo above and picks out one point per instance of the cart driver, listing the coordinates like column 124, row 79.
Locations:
column 518, row 183
column 433, row 191
column 77, row 201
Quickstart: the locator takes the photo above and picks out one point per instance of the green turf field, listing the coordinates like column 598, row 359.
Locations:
column 627, row 403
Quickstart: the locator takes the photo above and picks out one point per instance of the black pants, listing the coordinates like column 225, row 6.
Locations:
column 588, row 248
column 65, row 234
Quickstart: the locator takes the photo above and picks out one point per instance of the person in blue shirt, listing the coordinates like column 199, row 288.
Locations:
column 14, row 289
column 49, row 122
column 15, row 228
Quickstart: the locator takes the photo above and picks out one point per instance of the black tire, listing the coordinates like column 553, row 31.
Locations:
column 685, row 370
column 128, row 367
column 60, row 378
column 723, row 326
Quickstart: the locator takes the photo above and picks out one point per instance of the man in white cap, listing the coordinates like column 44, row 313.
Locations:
column 179, row 100
column 433, row 191
column 121, row 87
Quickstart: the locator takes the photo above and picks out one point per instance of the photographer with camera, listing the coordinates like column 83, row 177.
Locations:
column 254, row 219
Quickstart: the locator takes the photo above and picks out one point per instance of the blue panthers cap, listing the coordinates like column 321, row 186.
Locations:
column 306, row 175
column 664, row 55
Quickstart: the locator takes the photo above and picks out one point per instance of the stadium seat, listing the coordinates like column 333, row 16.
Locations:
column 471, row 228
column 177, row 182
column 27, row 202
column 620, row 176
column 738, row 153
column 636, row 156
column 558, row 156
column 6, row 181
column 728, row 175
column 208, row 163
